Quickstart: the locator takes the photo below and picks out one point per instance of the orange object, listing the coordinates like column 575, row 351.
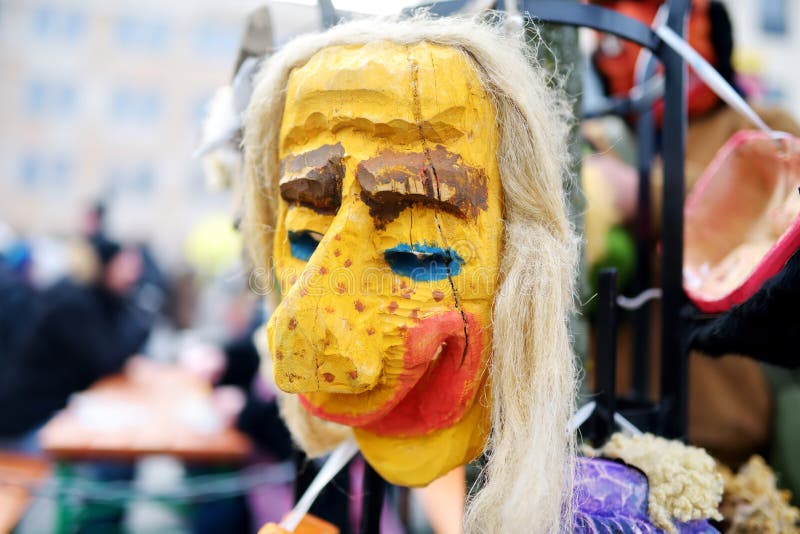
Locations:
column 18, row 474
column 308, row 525
column 616, row 58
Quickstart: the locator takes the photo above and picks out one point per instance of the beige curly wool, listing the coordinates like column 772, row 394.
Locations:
column 753, row 503
column 684, row 483
column 528, row 479
column 314, row 435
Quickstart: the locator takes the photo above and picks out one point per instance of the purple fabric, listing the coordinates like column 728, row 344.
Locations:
column 612, row 497
column 390, row 522
column 270, row 502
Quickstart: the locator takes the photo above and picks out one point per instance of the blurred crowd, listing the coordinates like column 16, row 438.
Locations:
column 108, row 307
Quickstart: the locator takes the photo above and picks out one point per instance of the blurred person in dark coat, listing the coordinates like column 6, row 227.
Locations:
column 75, row 334
column 16, row 298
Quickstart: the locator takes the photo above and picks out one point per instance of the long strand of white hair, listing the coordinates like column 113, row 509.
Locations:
column 528, row 477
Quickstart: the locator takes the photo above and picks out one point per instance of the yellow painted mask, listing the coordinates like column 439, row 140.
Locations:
column 386, row 250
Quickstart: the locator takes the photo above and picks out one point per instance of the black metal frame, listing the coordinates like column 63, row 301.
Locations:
column 606, row 369
column 646, row 150
column 667, row 416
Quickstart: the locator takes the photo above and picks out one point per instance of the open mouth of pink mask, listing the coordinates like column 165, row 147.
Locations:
column 742, row 220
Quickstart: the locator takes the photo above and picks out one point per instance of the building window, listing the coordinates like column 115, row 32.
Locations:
column 29, row 171
column 138, row 179
column 138, row 33
column 774, row 14
column 216, row 41
column 58, row 23
column 46, row 171
column 49, row 98
column 143, row 180
column 198, row 110
column 129, row 104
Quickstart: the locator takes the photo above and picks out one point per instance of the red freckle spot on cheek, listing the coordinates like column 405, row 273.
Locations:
column 337, row 252
column 328, row 309
column 437, row 295
column 293, row 279
column 370, row 331
column 392, row 307
column 353, row 374
column 359, row 306
column 328, row 377
column 323, row 270
column 303, row 292
column 348, row 263
column 341, row 288
column 292, row 324
column 337, row 237
column 407, row 294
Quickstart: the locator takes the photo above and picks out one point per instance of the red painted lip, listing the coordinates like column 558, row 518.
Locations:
column 434, row 392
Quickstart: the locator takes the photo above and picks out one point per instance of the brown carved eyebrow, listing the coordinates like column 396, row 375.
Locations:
column 392, row 181
column 314, row 178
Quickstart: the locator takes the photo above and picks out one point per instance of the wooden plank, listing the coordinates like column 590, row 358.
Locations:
column 151, row 409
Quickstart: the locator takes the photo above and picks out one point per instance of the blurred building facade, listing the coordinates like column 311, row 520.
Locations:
column 767, row 37
column 104, row 100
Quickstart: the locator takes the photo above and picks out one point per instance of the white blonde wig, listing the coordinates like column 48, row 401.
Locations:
column 527, row 481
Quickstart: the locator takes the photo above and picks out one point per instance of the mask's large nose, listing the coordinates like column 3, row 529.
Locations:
column 314, row 345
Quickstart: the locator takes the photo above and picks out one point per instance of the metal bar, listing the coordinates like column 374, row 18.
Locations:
column 372, row 501
column 305, row 471
column 591, row 16
column 646, row 148
column 606, row 354
column 674, row 361
column 569, row 13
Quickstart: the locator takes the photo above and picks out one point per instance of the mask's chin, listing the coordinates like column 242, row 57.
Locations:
column 443, row 365
column 418, row 460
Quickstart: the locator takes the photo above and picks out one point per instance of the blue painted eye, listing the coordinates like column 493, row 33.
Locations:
column 303, row 244
column 423, row 263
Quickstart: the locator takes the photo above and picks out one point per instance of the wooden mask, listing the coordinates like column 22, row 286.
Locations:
column 386, row 249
